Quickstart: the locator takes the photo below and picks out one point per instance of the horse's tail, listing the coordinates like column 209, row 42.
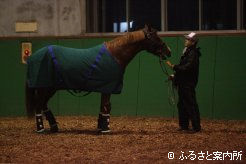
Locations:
column 30, row 101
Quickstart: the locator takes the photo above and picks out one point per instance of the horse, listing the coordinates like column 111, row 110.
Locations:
column 96, row 69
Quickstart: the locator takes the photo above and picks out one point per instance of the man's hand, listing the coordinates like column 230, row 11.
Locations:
column 171, row 77
column 169, row 64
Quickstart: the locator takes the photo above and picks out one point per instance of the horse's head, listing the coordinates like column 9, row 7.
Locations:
column 154, row 44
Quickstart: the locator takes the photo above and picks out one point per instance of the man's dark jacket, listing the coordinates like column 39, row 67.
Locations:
column 187, row 71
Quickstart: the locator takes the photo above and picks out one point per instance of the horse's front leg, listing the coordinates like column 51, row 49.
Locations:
column 104, row 115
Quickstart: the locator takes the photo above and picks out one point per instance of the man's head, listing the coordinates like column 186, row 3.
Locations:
column 191, row 39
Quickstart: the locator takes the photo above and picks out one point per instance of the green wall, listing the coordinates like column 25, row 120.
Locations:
column 220, row 91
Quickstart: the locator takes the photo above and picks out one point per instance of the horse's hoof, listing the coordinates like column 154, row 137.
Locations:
column 106, row 131
column 54, row 129
column 40, row 131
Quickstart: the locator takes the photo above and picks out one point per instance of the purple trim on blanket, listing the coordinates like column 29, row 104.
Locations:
column 54, row 59
column 98, row 57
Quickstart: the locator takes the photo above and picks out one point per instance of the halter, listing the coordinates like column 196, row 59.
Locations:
column 148, row 35
column 154, row 43
column 170, row 89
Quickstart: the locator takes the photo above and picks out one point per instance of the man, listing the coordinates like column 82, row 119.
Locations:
column 186, row 78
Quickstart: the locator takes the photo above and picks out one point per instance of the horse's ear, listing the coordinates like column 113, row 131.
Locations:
column 148, row 27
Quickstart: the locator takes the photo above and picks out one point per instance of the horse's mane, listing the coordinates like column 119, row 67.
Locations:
column 129, row 38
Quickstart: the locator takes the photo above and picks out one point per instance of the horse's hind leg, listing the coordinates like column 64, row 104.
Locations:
column 39, row 121
column 42, row 98
column 38, row 110
column 51, row 119
column 48, row 113
column 104, row 115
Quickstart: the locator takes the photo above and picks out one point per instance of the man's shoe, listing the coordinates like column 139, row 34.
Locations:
column 192, row 131
column 182, row 129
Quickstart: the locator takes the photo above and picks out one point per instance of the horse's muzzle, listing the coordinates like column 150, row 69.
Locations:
column 166, row 53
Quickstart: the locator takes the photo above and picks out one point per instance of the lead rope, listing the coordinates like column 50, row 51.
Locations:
column 171, row 90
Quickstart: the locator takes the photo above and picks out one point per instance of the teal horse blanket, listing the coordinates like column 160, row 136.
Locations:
column 93, row 69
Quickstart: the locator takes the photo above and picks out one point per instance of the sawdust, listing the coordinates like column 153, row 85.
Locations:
column 133, row 140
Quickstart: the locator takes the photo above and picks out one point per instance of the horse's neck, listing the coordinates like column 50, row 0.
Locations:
column 124, row 48
column 128, row 39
